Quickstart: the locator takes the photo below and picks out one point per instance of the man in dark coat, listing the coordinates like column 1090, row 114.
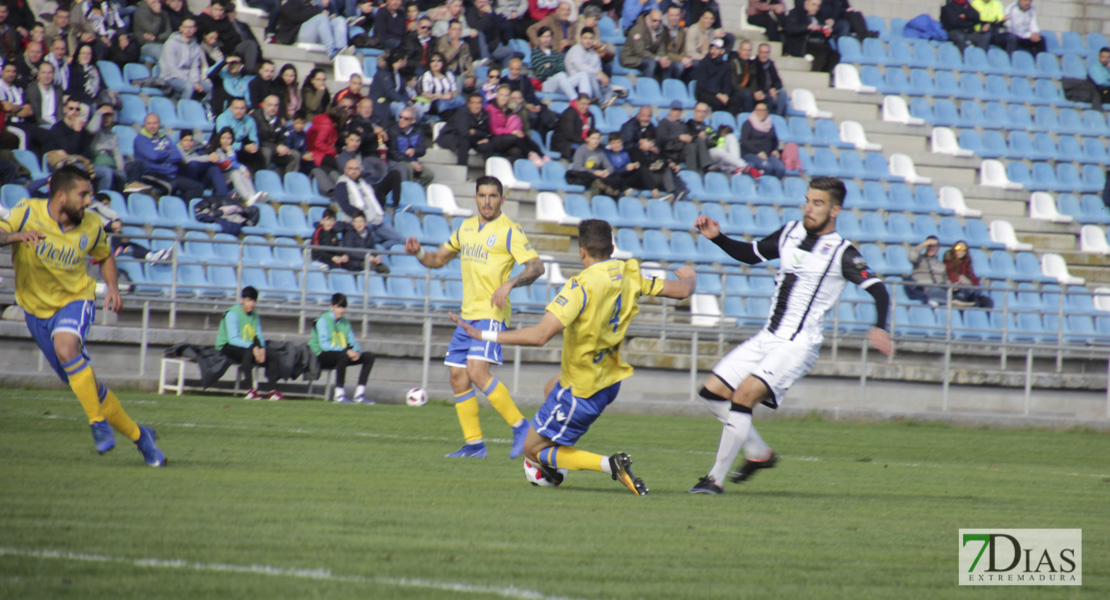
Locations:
column 468, row 128
column 804, row 34
column 713, row 84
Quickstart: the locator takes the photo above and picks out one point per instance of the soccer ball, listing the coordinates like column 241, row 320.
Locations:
column 416, row 397
column 535, row 476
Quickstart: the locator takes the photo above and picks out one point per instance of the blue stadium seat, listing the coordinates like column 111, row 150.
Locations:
column 1043, row 178
column 899, row 225
column 847, row 225
column 1047, row 93
column 947, row 86
column 827, row 134
column 799, row 131
column 756, row 313
column 144, row 208
column 674, row 89
column 197, row 247
column 996, row 90
column 1044, row 148
column 11, row 194
column 632, row 214
column 872, row 52
column 723, row 118
column 685, row 213
column 971, row 115
column 578, row 206
column 1018, row 116
column 742, row 221
column 717, row 213
column 767, row 221
column 978, row 236
column 1044, row 119
column 894, row 82
column 288, row 253
column 1094, row 151
column 267, row 222
column 874, row 257
column 694, row 184
column 684, row 248
column 554, row 173
column 1069, row 149
column 1072, row 43
column 173, row 210
column 257, row 252
column 1079, row 300
column 1052, row 43
column 270, row 182
column 1072, row 66
column 924, row 226
column 924, row 56
column 655, row 246
column 1071, row 122
column 113, row 78
column 1029, row 268
column 921, row 109
column 136, row 71
column 1094, row 178
column 126, row 136
column 133, row 110
column 898, row 53
column 877, row 25
column 743, row 187
column 949, row 57
column 31, row 162
column 850, row 51
column 648, row 93
column 292, row 221
column 999, row 61
column 1067, row 178
column 605, row 208
column 717, row 187
column 951, row 231
column 299, row 185
column 793, row 191
column 609, row 31
column 526, row 171
column 1022, row 64
column 1095, row 42
column 166, row 111
column 1021, row 91
column 921, row 83
column 191, row 115
column 824, row 163
column 872, row 76
column 769, row 191
column 897, row 25
column 874, row 196
column 975, row 60
column 661, row 214
column 897, row 260
column 1048, row 66
column 877, row 168
column 628, row 242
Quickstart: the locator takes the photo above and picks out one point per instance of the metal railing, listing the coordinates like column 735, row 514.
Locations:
column 374, row 301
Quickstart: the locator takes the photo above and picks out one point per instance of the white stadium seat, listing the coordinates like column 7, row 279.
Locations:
column 502, row 169
column 804, row 100
column 345, row 66
column 1092, row 239
column 992, row 173
column 1042, row 206
column 853, row 133
column 549, row 209
column 847, row 78
column 441, row 197
column 944, row 142
column 895, row 110
column 1002, row 232
column 902, row 166
column 704, row 310
column 1054, row 266
column 953, row 199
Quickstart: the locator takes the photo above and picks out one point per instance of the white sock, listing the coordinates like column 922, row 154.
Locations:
column 755, row 448
column 340, row 393
column 719, row 408
column 605, row 466
column 360, row 390
column 733, row 435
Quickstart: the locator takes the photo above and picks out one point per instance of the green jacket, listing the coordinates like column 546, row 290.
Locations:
column 330, row 335
column 240, row 329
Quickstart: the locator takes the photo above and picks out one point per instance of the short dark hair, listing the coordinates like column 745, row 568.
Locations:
column 596, row 238
column 329, row 213
column 358, row 214
column 648, row 135
column 300, row 114
column 475, row 95
column 1104, row 49
column 615, row 137
column 249, row 293
column 592, row 131
column 489, row 180
column 585, row 30
column 339, row 299
column 65, row 179
column 832, row 186
column 542, row 30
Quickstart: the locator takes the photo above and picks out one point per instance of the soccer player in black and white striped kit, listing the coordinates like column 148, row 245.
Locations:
column 815, row 265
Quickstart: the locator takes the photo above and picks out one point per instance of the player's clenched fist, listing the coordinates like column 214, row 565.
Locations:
column 708, row 227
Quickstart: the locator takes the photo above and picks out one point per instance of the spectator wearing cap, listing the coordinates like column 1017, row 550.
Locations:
column 1023, row 25
column 681, row 144
column 713, row 83
column 645, row 48
column 182, row 62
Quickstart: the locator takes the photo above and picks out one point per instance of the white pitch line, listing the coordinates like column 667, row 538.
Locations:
column 272, row 571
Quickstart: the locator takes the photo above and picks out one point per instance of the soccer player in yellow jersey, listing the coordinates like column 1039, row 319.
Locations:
column 52, row 242
column 489, row 245
column 593, row 311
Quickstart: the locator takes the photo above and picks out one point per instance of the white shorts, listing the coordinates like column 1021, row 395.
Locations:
column 777, row 362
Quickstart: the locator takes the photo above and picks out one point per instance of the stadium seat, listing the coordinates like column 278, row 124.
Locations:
column 798, row 132
column 31, row 162
column 967, row 142
column 300, row 186
column 997, row 90
column 684, row 248
column 846, row 77
column 919, row 112
column 872, row 52
column 288, row 253
column 1072, row 66
column 685, row 213
column 1044, row 148
column 694, row 184
column 767, row 221
column 924, row 56
column 501, row 168
column 270, row 182
column 648, row 93
column 1094, row 151
column 191, row 115
column 661, row 214
column 878, row 26
column 998, row 61
column 1048, row 66
column 769, row 191
column 742, row 221
column 975, row 61
column 1072, row 43
column 1094, row 178
column 555, row 174
column 674, row 89
column 894, row 82
column 1022, row 64
column 898, row 53
column 824, row 163
column 850, row 51
column 145, row 209
column 113, row 78
column 133, row 110
column 628, row 242
column 717, row 187
column 529, row 174
column 267, row 222
column 971, row 115
column 1095, row 42
column 11, row 194
column 1044, row 118
column 1002, row 233
column 292, row 221
column 136, row 71
column 173, row 210
column 803, row 100
column 578, row 207
column 1093, row 240
column 874, row 257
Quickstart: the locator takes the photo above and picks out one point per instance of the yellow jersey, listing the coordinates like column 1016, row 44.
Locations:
column 488, row 253
column 52, row 275
column 595, row 307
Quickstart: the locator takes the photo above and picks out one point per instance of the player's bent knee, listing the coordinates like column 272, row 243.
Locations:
column 67, row 346
column 478, row 374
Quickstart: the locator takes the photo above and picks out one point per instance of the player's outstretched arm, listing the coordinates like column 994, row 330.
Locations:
column 881, row 340
column 30, row 238
column 684, row 287
column 532, row 271
column 113, row 302
column 536, row 335
column 433, row 260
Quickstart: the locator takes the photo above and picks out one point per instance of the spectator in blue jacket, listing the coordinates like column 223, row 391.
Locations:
column 1099, row 73
column 407, row 146
column 246, row 133
column 159, row 158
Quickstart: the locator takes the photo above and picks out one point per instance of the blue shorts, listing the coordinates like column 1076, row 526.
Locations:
column 463, row 347
column 75, row 317
column 564, row 417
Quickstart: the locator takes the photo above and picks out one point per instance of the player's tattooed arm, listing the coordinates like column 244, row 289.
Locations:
column 532, row 271
column 31, row 238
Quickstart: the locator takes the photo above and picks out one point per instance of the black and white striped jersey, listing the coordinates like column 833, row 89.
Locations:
column 812, row 272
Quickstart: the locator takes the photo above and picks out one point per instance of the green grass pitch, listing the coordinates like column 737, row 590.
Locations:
column 315, row 500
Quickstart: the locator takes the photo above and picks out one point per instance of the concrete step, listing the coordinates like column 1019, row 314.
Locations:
column 1007, row 209
column 949, row 175
column 1048, row 241
column 445, row 172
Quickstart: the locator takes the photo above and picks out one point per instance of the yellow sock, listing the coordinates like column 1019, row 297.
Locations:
column 115, row 414
column 565, row 457
column 83, row 383
column 498, row 396
column 466, row 405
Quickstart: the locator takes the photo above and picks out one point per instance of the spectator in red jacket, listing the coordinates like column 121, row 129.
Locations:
column 958, row 265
